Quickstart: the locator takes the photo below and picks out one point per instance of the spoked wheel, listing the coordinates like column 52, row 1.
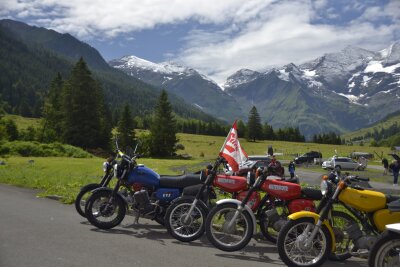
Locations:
column 82, row 197
column 226, row 234
column 103, row 213
column 268, row 221
column 292, row 243
column 182, row 228
column 340, row 221
column 386, row 251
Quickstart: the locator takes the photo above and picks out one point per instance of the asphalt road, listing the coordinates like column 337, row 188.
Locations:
column 44, row 232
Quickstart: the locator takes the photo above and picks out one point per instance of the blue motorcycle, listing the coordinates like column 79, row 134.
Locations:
column 144, row 193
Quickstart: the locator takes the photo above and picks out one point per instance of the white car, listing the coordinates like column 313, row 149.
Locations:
column 343, row 163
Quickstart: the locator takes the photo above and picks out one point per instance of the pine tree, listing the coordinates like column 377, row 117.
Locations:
column 126, row 128
column 241, row 128
column 52, row 114
column 254, row 128
column 163, row 128
column 83, row 109
column 11, row 130
column 268, row 132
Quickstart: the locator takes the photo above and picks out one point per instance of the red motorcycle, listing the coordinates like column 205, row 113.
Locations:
column 186, row 215
column 231, row 223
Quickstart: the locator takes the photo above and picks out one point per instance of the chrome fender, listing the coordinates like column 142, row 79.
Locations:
column 237, row 202
column 315, row 216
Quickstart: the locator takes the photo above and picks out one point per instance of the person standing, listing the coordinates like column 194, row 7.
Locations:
column 291, row 168
column 395, row 166
column 385, row 163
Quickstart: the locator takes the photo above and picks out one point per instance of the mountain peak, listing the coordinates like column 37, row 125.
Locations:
column 240, row 77
column 168, row 67
column 391, row 54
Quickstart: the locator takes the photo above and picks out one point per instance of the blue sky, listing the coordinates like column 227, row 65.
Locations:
column 217, row 37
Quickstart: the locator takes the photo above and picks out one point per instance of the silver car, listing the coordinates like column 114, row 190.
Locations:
column 343, row 163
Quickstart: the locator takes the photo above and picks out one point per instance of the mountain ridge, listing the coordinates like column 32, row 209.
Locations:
column 338, row 91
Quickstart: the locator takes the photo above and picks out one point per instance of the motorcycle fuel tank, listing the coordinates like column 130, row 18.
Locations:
column 384, row 217
column 363, row 200
column 281, row 189
column 230, row 183
column 143, row 175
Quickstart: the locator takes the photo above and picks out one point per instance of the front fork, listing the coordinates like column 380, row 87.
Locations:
column 325, row 212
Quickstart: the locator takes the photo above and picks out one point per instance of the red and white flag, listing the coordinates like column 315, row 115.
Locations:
column 232, row 151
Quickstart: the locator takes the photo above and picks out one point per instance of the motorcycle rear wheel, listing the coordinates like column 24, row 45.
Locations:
column 103, row 214
column 217, row 231
column 178, row 228
column 291, row 240
column 82, row 197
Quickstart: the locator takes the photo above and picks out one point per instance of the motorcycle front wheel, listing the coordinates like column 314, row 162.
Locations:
column 103, row 213
column 292, row 239
column 82, row 197
column 386, row 251
column 225, row 234
column 178, row 227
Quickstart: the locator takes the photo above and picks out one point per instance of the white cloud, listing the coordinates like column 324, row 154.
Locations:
column 252, row 34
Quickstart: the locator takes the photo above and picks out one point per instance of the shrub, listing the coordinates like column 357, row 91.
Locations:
column 36, row 149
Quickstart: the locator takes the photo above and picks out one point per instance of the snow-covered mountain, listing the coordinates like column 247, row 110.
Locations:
column 338, row 92
column 186, row 82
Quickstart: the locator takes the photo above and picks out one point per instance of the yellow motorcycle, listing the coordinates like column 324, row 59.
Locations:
column 308, row 239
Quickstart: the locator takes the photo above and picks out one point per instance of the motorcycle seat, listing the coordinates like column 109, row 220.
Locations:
column 394, row 205
column 312, row 193
column 180, row 181
column 391, row 198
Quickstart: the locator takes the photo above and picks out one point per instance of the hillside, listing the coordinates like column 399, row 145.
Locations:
column 30, row 57
column 390, row 121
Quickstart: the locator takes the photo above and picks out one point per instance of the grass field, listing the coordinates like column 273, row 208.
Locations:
column 23, row 122
column 64, row 176
column 210, row 146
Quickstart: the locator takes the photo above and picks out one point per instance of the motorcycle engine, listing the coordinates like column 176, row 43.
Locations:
column 142, row 202
column 276, row 220
column 360, row 240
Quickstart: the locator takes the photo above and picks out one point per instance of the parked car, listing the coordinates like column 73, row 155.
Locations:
column 308, row 157
column 343, row 163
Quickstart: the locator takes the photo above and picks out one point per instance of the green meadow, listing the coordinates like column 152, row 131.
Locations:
column 63, row 177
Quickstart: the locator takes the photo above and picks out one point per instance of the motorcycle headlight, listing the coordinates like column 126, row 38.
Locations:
column 324, row 187
column 105, row 165
column 203, row 175
column 250, row 178
column 116, row 170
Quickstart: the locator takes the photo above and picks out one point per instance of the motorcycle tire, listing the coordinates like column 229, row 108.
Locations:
column 118, row 207
column 387, row 242
column 79, row 204
column 286, row 235
column 244, row 222
column 345, row 254
column 177, row 228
